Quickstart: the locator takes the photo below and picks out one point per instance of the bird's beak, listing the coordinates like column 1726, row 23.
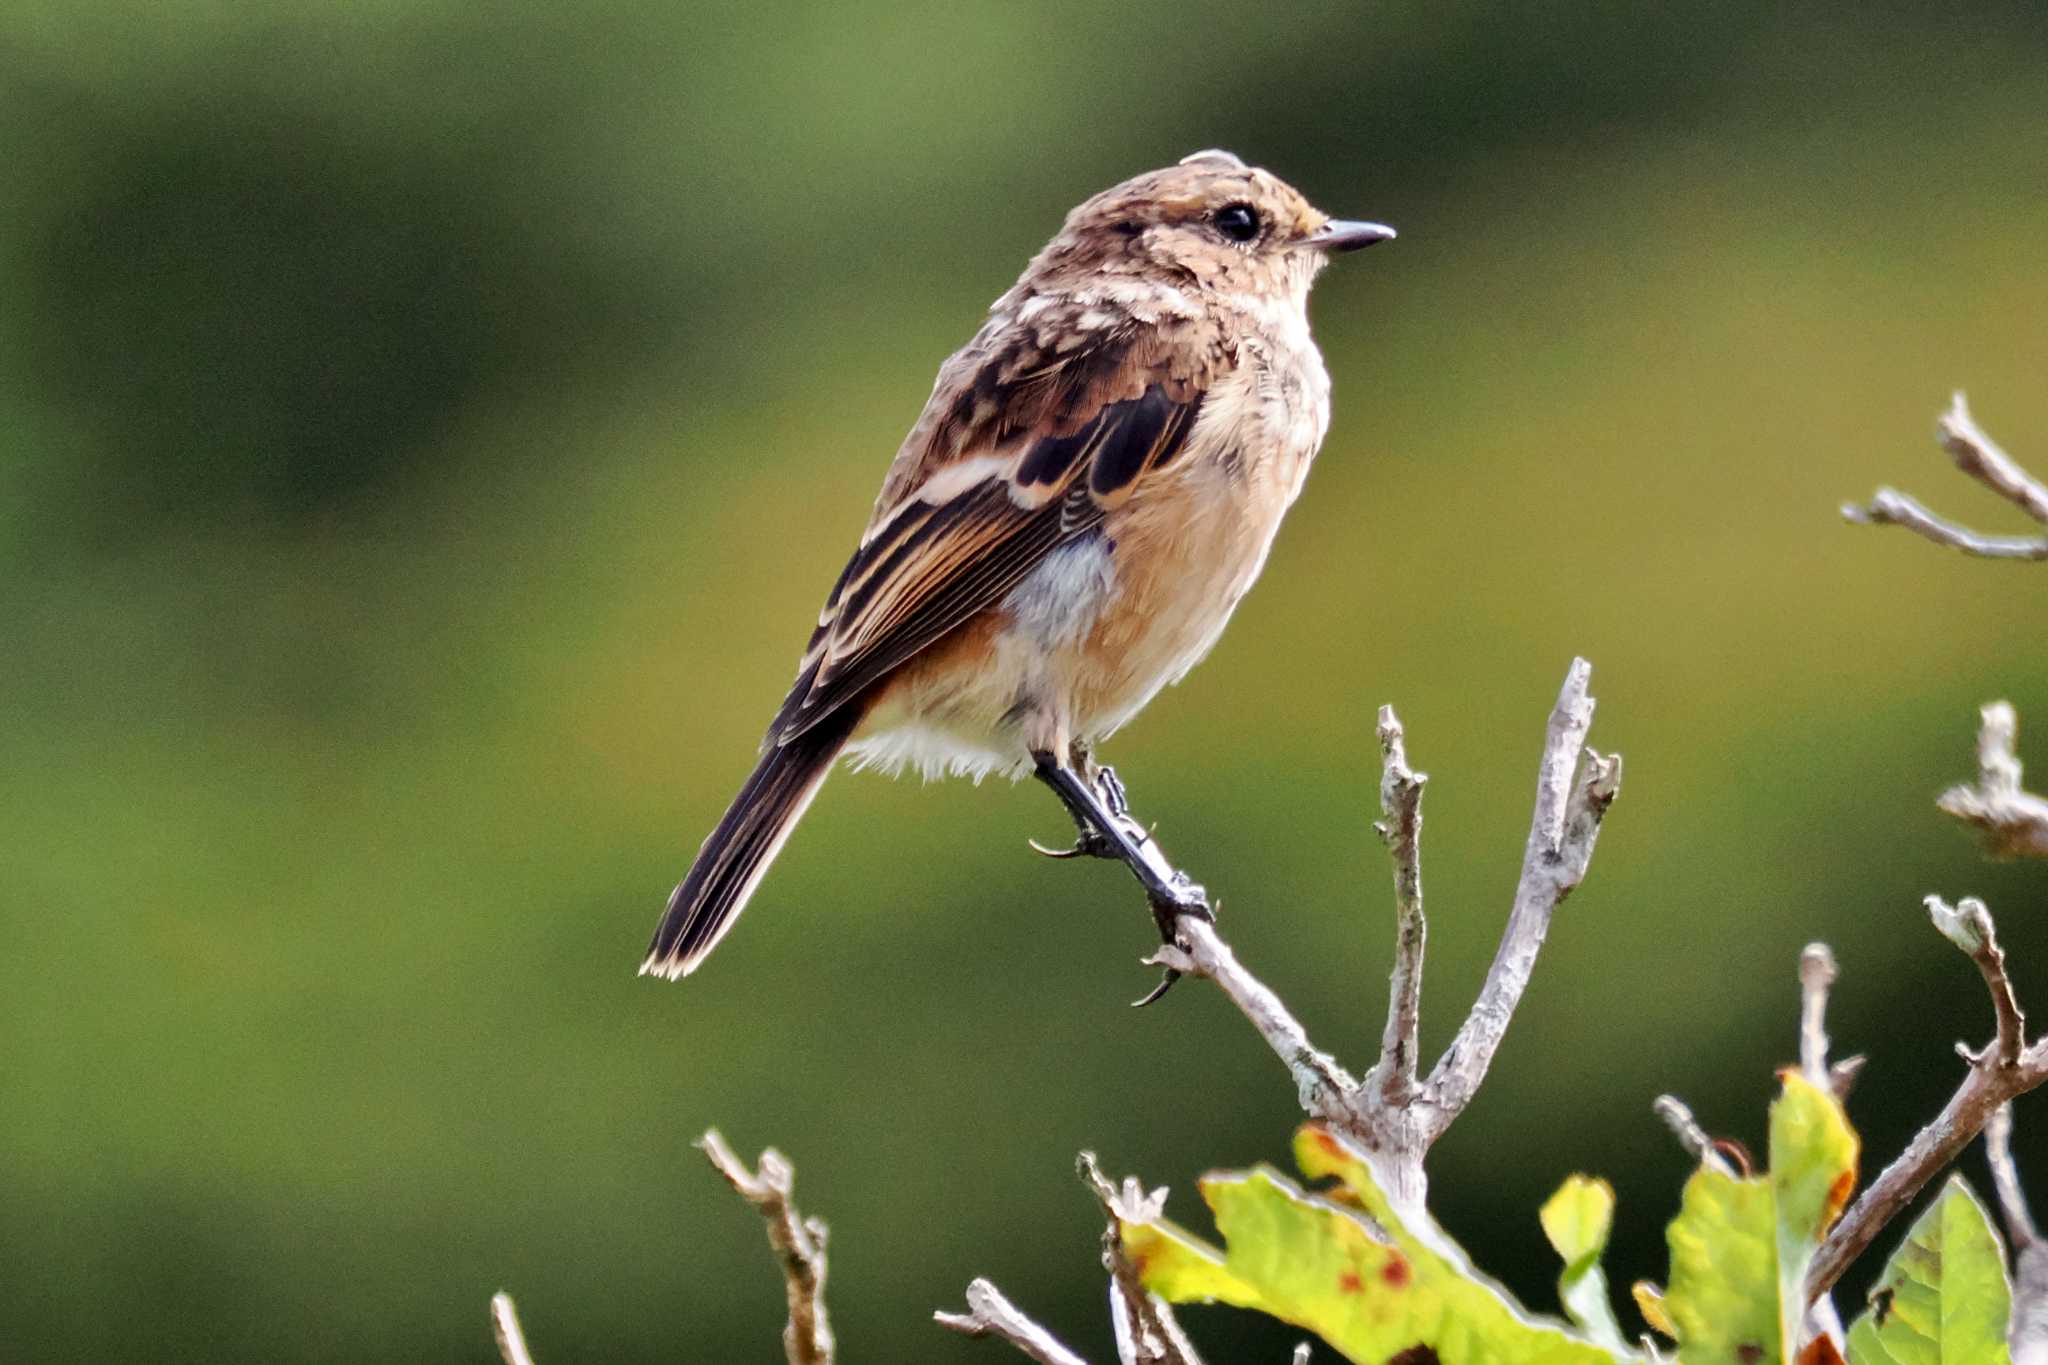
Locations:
column 1343, row 235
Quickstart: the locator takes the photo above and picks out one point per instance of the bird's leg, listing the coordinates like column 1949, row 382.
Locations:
column 1089, row 840
column 1101, row 813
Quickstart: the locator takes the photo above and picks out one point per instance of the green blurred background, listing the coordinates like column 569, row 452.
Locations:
column 426, row 430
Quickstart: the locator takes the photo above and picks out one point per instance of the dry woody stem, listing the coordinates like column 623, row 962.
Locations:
column 505, row 1327
column 2012, row 820
column 989, row 1314
column 799, row 1244
column 2003, row 1068
column 1978, row 456
column 1400, row 828
column 1393, row 1115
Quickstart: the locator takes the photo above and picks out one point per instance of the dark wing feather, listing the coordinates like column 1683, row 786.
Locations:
column 928, row 567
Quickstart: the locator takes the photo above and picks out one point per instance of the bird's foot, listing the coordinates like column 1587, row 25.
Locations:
column 1179, row 895
column 1091, row 841
column 1087, row 844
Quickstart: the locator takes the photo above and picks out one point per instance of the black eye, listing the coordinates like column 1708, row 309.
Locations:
column 1237, row 222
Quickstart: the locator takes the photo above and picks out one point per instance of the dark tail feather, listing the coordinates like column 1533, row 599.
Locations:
column 737, row 853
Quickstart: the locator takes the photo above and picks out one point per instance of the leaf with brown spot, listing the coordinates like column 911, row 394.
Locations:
column 1346, row 1267
column 1821, row 1351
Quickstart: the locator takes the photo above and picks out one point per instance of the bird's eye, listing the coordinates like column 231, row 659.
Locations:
column 1237, row 222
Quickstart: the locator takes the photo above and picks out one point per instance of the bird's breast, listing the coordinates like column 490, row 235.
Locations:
column 1184, row 550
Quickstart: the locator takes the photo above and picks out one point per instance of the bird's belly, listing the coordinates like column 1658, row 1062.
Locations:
column 1182, row 562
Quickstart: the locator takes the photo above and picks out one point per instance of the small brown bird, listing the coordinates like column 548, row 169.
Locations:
column 1094, row 484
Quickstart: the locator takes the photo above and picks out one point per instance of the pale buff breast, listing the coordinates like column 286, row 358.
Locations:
column 1096, row 631
column 1187, row 551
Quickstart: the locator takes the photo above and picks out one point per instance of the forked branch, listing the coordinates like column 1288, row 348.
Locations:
column 1391, row 1114
column 989, row 1314
column 2012, row 820
column 2005, row 1067
column 1978, row 456
column 1146, row 1331
column 799, row 1244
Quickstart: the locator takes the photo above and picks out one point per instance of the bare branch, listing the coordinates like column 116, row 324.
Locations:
column 1816, row 974
column 989, row 1314
column 1401, row 829
column 2027, row 1332
column 2012, row 1199
column 1323, row 1087
column 799, row 1244
column 1701, row 1148
column 1998, row 1072
column 1842, row 1075
column 505, row 1327
column 1390, row 1116
column 1978, row 456
column 1571, row 799
column 1968, row 925
column 1147, row 1333
column 2013, row 821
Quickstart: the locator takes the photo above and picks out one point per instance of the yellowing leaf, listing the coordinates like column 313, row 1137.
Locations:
column 1741, row 1245
column 1813, row 1173
column 1723, row 1300
column 1345, row 1267
column 1577, row 1220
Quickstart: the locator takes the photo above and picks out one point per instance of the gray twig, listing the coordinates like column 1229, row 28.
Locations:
column 1571, row 799
column 1701, row 1148
column 1147, row 1333
column 799, row 1244
column 2001, row 1070
column 1324, row 1088
column 1816, row 975
column 505, row 1327
column 1978, row 456
column 1390, row 1116
column 2027, row 1332
column 989, row 1314
column 1842, row 1075
column 2013, row 820
column 1401, row 829
column 1967, row 924
column 2012, row 1199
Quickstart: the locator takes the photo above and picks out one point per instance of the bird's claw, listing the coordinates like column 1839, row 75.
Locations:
column 1158, row 992
column 1087, row 844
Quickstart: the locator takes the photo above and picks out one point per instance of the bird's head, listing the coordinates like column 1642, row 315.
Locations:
column 1209, row 222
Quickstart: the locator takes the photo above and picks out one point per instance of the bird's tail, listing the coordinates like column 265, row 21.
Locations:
column 736, row 854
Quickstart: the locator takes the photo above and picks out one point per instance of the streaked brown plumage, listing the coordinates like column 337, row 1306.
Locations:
column 1093, row 485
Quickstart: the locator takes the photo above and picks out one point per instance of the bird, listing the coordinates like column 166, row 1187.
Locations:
column 1091, row 488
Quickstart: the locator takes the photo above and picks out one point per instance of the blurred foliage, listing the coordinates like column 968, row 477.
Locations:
column 426, row 429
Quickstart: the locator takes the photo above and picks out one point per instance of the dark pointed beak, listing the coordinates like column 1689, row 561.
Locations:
column 1342, row 235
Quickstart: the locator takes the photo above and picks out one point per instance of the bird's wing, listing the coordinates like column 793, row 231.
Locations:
column 1021, row 449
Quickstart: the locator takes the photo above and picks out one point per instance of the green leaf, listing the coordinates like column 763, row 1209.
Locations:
column 1813, row 1172
column 1577, row 1220
column 1723, row 1301
column 1741, row 1245
column 1944, row 1298
column 1344, row 1266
